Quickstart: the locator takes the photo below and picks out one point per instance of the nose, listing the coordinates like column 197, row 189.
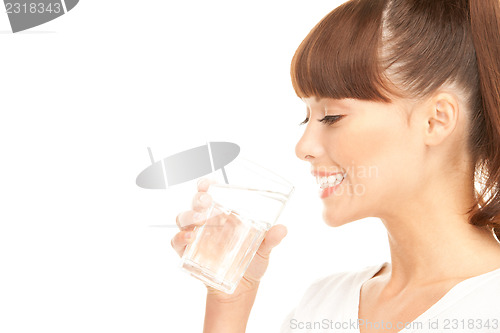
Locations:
column 309, row 147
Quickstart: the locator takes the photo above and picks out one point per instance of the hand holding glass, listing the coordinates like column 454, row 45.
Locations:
column 235, row 224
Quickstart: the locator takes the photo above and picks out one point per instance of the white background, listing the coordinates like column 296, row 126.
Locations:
column 81, row 99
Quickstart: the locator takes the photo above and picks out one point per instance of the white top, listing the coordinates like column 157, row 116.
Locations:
column 331, row 304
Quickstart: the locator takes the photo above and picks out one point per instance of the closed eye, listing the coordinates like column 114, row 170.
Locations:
column 329, row 120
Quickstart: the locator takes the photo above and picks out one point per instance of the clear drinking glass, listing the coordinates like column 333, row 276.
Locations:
column 235, row 224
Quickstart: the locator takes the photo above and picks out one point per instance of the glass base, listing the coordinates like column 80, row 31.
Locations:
column 204, row 275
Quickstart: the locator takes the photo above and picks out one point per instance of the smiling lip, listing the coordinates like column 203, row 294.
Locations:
column 329, row 190
column 317, row 173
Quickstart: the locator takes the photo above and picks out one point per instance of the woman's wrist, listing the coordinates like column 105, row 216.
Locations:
column 230, row 313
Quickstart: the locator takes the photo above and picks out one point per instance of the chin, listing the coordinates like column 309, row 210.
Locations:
column 332, row 220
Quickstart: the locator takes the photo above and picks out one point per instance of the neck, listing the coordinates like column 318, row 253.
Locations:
column 434, row 241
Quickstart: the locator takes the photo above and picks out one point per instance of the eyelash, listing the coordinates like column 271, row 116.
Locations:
column 329, row 120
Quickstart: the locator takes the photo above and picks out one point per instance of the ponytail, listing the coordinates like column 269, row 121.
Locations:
column 485, row 133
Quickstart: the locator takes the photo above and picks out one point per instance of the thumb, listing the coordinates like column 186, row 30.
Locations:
column 274, row 236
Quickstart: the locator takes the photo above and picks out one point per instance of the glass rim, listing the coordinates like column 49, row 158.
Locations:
column 275, row 177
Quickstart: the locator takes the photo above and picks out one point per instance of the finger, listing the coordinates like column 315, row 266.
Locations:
column 189, row 219
column 181, row 240
column 261, row 258
column 204, row 183
column 273, row 237
column 201, row 201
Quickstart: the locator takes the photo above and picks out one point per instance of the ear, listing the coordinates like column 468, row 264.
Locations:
column 442, row 118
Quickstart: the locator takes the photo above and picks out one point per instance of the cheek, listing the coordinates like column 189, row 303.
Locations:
column 373, row 143
column 396, row 156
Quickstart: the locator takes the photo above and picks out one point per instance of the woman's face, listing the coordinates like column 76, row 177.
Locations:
column 373, row 145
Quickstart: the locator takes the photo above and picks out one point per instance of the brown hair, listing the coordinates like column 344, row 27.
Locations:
column 375, row 49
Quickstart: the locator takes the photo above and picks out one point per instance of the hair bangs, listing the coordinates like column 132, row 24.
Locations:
column 339, row 58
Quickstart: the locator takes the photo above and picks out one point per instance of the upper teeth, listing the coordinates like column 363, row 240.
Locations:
column 330, row 180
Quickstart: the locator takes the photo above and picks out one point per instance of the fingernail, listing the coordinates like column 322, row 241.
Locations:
column 197, row 217
column 188, row 235
column 204, row 197
column 201, row 181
